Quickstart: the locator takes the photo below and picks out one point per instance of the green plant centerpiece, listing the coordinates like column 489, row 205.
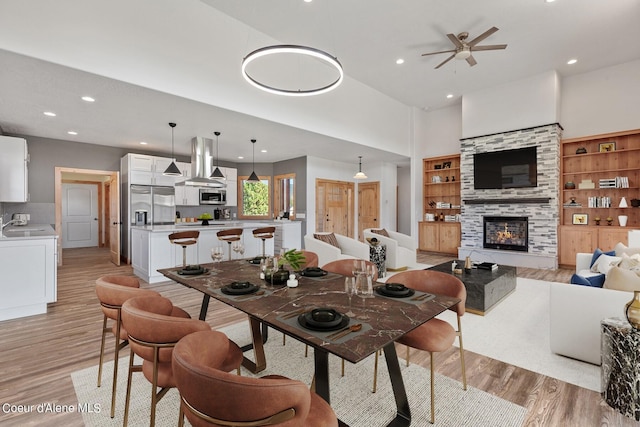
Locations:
column 294, row 259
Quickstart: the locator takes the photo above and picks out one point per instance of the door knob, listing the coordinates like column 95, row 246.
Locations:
column 95, row 219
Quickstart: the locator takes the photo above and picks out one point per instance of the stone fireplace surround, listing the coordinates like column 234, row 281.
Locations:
column 540, row 204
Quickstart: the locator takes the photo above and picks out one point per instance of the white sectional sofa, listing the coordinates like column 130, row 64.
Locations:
column 349, row 248
column 575, row 314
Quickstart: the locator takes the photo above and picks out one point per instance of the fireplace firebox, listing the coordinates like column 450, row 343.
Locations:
column 509, row 233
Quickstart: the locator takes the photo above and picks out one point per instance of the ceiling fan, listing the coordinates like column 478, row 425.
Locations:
column 464, row 48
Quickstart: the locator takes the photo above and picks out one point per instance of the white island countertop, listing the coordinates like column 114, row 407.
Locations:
column 27, row 232
column 213, row 225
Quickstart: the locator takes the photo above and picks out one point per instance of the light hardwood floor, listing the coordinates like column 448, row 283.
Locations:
column 38, row 353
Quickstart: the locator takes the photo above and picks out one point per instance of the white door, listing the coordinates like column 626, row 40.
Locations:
column 79, row 215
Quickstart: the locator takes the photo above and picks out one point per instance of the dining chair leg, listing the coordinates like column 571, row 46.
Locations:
column 375, row 373
column 181, row 415
column 433, row 390
column 284, row 339
column 306, row 350
column 342, row 370
column 128, row 398
column 407, row 359
column 116, row 356
column 464, row 371
column 104, row 332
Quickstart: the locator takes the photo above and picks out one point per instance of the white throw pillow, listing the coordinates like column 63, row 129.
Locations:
column 622, row 280
column 604, row 263
column 621, row 248
column 630, row 262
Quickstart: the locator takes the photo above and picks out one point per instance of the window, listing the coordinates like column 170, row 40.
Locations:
column 254, row 198
column 284, row 195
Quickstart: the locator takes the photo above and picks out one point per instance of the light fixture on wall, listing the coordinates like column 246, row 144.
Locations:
column 253, row 176
column 217, row 173
column 296, row 50
column 360, row 174
column 172, row 170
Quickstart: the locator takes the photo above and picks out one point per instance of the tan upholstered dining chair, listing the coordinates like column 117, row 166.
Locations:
column 154, row 327
column 212, row 397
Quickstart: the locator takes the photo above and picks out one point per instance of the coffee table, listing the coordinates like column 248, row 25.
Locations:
column 485, row 288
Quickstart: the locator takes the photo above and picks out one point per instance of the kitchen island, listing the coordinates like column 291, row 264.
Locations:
column 151, row 249
column 28, row 261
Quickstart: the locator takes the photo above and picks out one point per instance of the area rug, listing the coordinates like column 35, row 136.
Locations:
column 351, row 395
column 516, row 331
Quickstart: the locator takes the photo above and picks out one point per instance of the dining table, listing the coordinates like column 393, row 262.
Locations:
column 381, row 318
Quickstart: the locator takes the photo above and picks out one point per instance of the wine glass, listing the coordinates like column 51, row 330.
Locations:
column 217, row 253
column 364, row 290
column 270, row 266
column 237, row 247
column 350, row 289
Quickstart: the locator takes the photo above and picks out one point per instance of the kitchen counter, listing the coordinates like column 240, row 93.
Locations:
column 28, row 261
column 30, row 231
column 151, row 249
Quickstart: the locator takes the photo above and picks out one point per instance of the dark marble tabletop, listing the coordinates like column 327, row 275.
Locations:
column 384, row 319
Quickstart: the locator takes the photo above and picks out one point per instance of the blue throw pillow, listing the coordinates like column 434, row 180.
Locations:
column 593, row 281
column 599, row 252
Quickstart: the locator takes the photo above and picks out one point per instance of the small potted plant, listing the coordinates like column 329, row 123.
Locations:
column 293, row 258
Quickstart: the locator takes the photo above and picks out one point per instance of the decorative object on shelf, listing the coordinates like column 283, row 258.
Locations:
column 253, row 177
column 441, row 216
column 581, row 150
column 302, row 51
column 580, row 219
column 632, row 310
column 572, row 204
column 217, row 173
column 623, row 203
column 586, row 184
column 606, row 147
column 467, row 264
column 446, row 179
column 569, row 185
column 635, row 202
column 437, row 166
column 622, row 220
column 172, row 170
column 446, row 165
column 453, row 179
column 360, row 174
column 609, row 220
column 597, row 220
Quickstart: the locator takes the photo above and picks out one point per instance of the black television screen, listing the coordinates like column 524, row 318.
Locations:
column 505, row 169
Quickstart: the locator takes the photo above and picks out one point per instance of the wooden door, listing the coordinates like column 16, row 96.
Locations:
column 113, row 216
column 368, row 206
column 334, row 207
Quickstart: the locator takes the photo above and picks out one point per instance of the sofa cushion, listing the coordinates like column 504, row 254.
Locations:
column 329, row 238
column 622, row 280
column 621, row 248
column 595, row 280
column 630, row 262
column 598, row 252
column 380, row 231
column 604, row 263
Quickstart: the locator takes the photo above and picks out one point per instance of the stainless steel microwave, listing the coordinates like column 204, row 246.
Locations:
column 213, row 196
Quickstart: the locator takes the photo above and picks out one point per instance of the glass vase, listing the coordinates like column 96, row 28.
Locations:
column 632, row 310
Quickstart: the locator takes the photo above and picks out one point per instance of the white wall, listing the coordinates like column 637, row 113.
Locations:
column 602, row 101
column 517, row 105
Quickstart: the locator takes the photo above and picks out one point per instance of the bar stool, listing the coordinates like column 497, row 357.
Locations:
column 230, row 235
column 264, row 233
column 184, row 239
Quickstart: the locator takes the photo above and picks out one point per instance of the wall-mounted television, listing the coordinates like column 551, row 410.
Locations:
column 505, row 169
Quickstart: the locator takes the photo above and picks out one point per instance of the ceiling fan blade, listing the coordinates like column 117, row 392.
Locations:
column 442, row 51
column 445, row 61
column 471, row 60
column 489, row 47
column 482, row 36
column 454, row 40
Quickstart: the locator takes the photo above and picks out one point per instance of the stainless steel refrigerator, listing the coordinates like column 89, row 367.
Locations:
column 159, row 203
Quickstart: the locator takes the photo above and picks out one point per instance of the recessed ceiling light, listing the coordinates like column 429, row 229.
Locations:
column 572, row 61
column 143, row 143
column 88, row 99
column 49, row 113
column 263, row 151
column 308, row 1
column 549, row 1
column 241, row 157
column 449, row 96
column 399, row 61
column 72, row 132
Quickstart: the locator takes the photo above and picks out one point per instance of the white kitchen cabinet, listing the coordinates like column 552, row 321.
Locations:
column 185, row 169
column 29, row 276
column 143, row 169
column 14, row 170
column 187, row 195
column 153, row 251
column 231, row 179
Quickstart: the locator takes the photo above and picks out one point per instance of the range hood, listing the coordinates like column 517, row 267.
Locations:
column 201, row 164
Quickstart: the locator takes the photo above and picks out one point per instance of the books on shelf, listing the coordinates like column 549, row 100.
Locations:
column 617, row 182
column 599, row 202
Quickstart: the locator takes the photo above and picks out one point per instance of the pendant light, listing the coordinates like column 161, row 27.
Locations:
column 253, row 176
column 360, row 174
column 217, row 173
column 172, row 170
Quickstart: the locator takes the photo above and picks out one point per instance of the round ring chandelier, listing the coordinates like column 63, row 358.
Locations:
column 299, row 50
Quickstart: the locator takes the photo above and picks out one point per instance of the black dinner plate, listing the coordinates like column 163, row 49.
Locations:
column 192, row 270
column 337, row 320
column 313, row 272
column 395, row 290
column 240, row 288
